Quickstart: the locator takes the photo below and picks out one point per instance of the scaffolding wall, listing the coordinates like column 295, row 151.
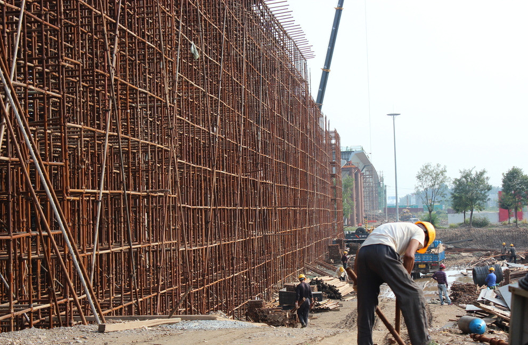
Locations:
column 155, row 155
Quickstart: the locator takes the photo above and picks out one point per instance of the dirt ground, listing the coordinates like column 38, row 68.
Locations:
column 333, row 327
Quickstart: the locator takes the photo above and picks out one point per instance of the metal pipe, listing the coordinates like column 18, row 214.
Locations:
column 48, row 193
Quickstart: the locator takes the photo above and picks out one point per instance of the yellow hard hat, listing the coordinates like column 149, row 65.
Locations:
column 301, row 276
column 431, row 232
column 345, row 252
column 503, row 243
column 511, row 245
column 341, row 269
column 491, row 269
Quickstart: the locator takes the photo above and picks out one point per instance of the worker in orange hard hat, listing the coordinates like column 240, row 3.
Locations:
column 504, row 251
column 379, row 261
column 513, row 255
column 303, row 300
column 491, row 279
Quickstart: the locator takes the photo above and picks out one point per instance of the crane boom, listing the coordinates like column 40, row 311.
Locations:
column 329, row 54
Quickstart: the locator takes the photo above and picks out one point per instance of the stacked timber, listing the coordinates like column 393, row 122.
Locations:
column 325, row 305
column 332, row 287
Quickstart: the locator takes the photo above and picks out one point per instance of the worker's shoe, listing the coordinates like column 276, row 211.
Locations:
column 303, row 326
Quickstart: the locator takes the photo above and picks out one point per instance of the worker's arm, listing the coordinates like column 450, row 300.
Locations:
column 408, row 257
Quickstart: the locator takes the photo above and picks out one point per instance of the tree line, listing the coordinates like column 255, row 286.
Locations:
column 470, row 190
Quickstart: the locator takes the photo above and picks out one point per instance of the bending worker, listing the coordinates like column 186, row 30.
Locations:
column 504, row 250
column 378, row 262
column 303, row 301
column 341, row 274
column 491, row 279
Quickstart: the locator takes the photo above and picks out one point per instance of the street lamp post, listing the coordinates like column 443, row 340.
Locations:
column 395, row 165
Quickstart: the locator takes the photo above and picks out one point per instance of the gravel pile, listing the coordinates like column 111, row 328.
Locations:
column 210, row 325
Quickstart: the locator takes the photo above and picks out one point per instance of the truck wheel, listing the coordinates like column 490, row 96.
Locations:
column 361, row 231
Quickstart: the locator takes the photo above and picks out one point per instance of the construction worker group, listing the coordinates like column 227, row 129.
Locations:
column 387, row 256
column 512, row 252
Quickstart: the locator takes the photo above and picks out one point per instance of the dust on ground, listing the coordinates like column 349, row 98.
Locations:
column 333, row 327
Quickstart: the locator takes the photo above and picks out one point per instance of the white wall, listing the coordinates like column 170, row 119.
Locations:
column 456, row 218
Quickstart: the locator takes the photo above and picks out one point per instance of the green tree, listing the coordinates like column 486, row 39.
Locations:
column 515, row 186
column 471, row 192
column 459, row 202
column 507, row 202
column 348, row 200
column 431, row 184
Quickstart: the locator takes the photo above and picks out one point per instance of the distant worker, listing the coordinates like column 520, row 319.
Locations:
column 303, row 301
column 504, row 251
column 441, row 278
column 513, row 255
column 341, row 274
column 378, row 262
column 344, row 259
column 491, row 279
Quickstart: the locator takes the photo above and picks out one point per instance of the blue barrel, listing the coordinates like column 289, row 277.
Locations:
column 470, row 324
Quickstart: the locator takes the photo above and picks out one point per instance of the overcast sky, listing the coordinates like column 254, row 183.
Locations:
column 456, row 70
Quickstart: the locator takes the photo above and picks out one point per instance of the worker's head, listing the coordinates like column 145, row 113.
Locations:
column 341, row 269
column 345, row 252
column 491, row 269
column 503, row 243
column 301, row 277
column 442, row 266
column 430, row 235
column 511, row 245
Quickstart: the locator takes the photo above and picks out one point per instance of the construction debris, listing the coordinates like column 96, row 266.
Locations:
column 464, row 293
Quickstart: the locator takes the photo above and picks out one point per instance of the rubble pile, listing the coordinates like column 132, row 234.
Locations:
column 464, row 293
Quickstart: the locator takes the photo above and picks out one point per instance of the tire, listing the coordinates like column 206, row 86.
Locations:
column 361, row 231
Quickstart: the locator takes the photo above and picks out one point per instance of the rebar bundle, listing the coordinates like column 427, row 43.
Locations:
column 155, row 155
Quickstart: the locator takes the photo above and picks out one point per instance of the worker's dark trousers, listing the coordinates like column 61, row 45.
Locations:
column 378, row 264
column 513, row 258
column 303, row 312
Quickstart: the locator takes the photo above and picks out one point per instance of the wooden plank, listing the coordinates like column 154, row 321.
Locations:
column 153, row 317
column 495, row 311
column 115, row 327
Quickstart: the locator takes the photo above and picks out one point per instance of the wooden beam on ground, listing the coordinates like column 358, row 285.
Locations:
column 154, row 317
column 494, row 310
column 115, row 327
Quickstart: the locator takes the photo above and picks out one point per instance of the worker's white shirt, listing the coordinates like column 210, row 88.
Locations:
column 396, row 235
column 340, row 274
